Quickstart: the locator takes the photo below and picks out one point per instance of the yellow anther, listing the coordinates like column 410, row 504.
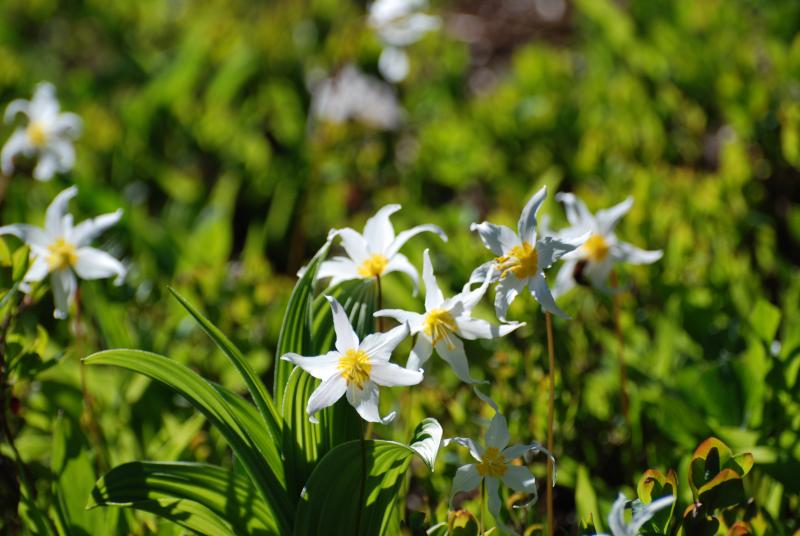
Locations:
column 374, row 266
column 355, row 367
column 62, row 255
column 37, row 134
column 520, row 261
column 596, row 248
column 438, row 325
column 492, row 464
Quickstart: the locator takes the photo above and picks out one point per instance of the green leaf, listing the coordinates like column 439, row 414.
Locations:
column 333, row 490
column 20, row 263
column 220, row 413
column 188, row 514
column 228, row 497
column 765, row 320
column 654, row 485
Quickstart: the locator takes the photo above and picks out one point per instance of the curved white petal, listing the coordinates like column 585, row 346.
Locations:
column 577, row 213
column 379, row 346
column 549, row 250
column 393, row 64
column 16, row 106
column 465, row 479
column 420, row 353
column 29, row 234
column 87, row 230
column 453, row 353
column 338, row 269
column 480, row 274
column 475, row 328
column 354, row 244
column 95, row 264
column 404, row 236
column 608, row 219
column 17, row 144
column 54, row 217
column 433, row 294
column 541, row 292
column 519, row 478
column 37, row 271
column 565, row 279
column 46, row 167
column 499, row 239
column 378, row 231
column 346, row 338
column 493, row 497
column 414, row 320
column 497, row 434
column 630, row 253
column 44, row 105
column 597, row 274
column 475, row 450
column 505, row 293
column 390, row 375
column 321, row 367
column 400, row 263
column 527, row 219
column 64, row 153
column 645, row 513
column 328, row 392
column 68, row 125
column 64, row 288
column 467, row 298
column 616, row 519
column 366, row 402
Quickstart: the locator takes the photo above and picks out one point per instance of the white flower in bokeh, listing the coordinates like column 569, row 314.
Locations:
column 62, row 250
column 601, row 251
column 522, row 258
column 352, row 95
column 399, row 23
column 642, row 513
column 48, row 134
column 374, row 253
column 445, row 322
column 356, row 368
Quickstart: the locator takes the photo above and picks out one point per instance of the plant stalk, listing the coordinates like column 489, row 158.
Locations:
column 379, row 319
column 483, row 507
column 623, row 375
column 550, row 412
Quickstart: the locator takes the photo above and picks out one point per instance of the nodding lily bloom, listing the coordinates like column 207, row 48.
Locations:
column 642, row 513
column 355, row 368
column 602, row 250
column 48, row 134
column 374, row 253
column 495, row 465
column 445, row 322
column 62, row 250
column 399, row 23
column 522, row 258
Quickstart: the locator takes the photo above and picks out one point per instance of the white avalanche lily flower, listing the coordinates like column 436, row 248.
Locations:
column 522, row 258
column 355, row 368
column 602, row 250
column 399, row 24
column 62, row 250
column 445, row 323
column 494, row 465
column 642, row 513
column 374, row 253
column 48, row 134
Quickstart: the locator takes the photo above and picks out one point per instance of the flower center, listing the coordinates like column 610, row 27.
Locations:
column 37, row 134
column 520, row 261
column 438, row 325
column 374, row 266
column 492, row 464
column 62, row 255
column 354, row 366
column 596, row 248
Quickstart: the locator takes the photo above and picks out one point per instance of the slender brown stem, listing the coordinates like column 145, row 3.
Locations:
column 623, row 375
column 379, row 319
column 550, row 410
column 483, row 506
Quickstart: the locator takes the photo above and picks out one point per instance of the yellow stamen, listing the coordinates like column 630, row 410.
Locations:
column 520, row 261
column 62, row 255
column 596, row 248
column 355, row 367
column 492, row 464
column 37, row 134
column 374, row 266
column 438, row 325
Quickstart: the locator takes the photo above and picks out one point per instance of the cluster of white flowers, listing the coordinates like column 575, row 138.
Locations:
column 60, row 248
column 356, row 368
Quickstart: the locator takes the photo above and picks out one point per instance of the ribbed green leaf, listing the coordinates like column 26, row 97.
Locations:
column 333, row 490
column 203, row 396
column 229, row 497
column 188, row 514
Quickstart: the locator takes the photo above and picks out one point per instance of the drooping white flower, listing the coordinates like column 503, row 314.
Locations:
column 642, row 513
column 48, row 134
column 376, row 252
column 399, row 23
column 62, row 250
column 355, row 368
column 445, row 322
column 602, row 250
column 522, row 258
column 494, row 465
column 352, row 95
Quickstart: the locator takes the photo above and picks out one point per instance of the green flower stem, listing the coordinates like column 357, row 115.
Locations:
column 483, row 506
column 550, row 411
column 623, row 375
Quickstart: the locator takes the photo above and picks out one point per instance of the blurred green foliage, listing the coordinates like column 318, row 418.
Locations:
column 197, row 123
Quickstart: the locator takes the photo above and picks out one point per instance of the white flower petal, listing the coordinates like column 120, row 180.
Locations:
column 391, row 375
column 527, row 219
column 400, row 263
column 541, row 292
column 467, row 298
column 565, row 280
column 37, row 271
column 64, row 288
column 338, row 269
column 475, row 450
column 414, row 320
column 379, row 346
column 549, row 250
column 354, row 244
column 476, row 328
column 346, row 338
column 393, row 64
column 17, row 144
column 87, row 230
column 480, row 274
column 404, row 236
column 366, row 402
column 46, row 167
column 64, row 153
column 420, row 353
column 378, row 231
column 433, row 294
column 631, row 254
column 321, row 367
column 499, row 239
column 608, row 219
column 646, row 512
column 54, row 217
column 465, row 479
column 95, row 264
column 31, row 235
column 577, row 213
column 493, row 497
column 519, row 478
column 597, row 273
column 328, row 392
column 616, row 519
column 67, row 125
column 16, row 106
column 497, row 434
column 515, row 451
column 44, row 105
column 505, row 293
column 453, row 353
